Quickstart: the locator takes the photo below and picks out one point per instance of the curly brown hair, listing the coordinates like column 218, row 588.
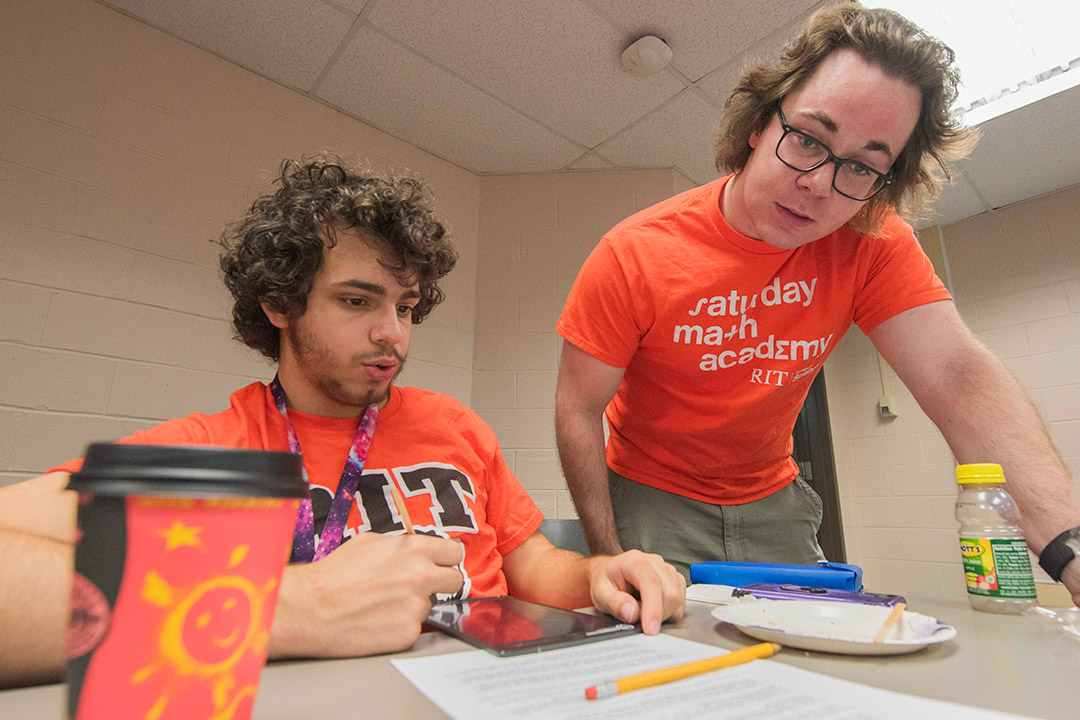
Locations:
column 902, row 50
column 272, row 254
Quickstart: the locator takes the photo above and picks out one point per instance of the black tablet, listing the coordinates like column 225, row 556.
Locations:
column 509, row 626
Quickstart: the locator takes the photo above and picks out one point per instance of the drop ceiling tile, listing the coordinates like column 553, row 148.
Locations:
column 395, row 90
column 1030, row 151
column 677, row 135
column 555, row 62
column 589, row 161
column 957, row 202
column 718, row 83
column 285, row 40
column 353, row 6
column 20, row 30
column 705, row 34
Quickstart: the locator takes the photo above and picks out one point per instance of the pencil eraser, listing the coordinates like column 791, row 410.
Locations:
column 590, row 694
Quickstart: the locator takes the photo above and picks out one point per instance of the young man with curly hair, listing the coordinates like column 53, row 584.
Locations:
column 698, row 325
column 329, row 274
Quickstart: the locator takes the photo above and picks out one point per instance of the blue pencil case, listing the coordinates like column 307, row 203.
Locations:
column 823, row 575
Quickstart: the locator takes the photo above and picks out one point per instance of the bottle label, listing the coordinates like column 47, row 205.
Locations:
column 997, row 568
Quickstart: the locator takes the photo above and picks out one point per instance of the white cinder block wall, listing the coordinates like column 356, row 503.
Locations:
column 1016, row 280
column 123, row 152
column 535, row 232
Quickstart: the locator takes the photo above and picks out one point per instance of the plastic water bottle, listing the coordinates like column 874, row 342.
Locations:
column 996, row 563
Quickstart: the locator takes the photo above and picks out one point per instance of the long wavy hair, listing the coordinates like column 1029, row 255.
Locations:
column 272, row 254
column 902, row 50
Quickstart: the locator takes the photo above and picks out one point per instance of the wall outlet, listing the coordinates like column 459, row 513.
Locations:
column 886, row 406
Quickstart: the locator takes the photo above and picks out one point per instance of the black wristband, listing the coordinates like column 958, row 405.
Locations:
column 1060, row 552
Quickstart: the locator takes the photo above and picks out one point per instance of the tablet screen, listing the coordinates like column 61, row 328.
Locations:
column 510, row 626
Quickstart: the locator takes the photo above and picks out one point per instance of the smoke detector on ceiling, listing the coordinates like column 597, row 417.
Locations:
column 646, row 55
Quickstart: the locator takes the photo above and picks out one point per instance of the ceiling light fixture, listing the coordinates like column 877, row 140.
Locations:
column 646, row 55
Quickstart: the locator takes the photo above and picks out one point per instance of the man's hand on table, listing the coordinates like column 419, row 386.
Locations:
column 635, row 585
column 369, row 596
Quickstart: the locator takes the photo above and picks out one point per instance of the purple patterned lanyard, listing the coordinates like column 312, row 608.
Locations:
column 305, row 548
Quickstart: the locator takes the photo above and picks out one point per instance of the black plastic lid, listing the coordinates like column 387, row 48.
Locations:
column 116, row 470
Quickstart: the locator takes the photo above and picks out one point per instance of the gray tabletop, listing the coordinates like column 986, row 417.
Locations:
column 1011, row 664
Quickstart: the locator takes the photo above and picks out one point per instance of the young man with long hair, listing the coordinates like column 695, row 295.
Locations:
column 698, row 325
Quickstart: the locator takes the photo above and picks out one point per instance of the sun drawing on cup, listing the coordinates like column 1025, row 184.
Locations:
column 207, row 631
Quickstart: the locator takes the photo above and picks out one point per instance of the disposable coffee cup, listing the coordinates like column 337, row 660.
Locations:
column 178, row 562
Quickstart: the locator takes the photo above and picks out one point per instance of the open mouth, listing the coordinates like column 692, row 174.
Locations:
column 796, row 215
column 794, row 218
column 382, row 368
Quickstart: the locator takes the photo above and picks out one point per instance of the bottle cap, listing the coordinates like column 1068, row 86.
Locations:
column 979, row 473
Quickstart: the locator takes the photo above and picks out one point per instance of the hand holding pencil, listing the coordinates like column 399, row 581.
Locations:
column 678, row 672
column 403, row 512
column 368, row 596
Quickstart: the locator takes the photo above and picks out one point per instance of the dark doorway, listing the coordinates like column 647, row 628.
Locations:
column 813, row 452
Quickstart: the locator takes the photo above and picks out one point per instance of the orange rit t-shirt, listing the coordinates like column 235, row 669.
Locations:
column 721, row 336
column 441, row 455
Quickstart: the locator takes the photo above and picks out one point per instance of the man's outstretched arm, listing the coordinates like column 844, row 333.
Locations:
column 984, row 415
column 632, row 586
column 586, row 386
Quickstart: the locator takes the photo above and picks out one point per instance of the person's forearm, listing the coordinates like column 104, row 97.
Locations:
column 633, row 586
column 987, row 417
column 35, row 584
column 581, row 451
column 555, row 577
column 291, row 634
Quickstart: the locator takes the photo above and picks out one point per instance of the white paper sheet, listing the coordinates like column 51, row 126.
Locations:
column 475, row 685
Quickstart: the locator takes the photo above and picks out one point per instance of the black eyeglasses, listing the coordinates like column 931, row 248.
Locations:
column 804, row 153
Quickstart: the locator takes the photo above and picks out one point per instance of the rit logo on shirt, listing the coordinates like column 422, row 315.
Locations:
column 447, row 490
column 769, row 377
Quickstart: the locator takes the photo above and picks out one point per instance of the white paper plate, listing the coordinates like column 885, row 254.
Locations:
column 834, row 627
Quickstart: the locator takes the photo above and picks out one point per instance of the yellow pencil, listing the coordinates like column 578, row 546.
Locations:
column 399, row 503
column 678, row 672
column 403, row 512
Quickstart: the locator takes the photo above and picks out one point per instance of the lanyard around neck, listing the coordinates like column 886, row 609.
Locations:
column 306, row 547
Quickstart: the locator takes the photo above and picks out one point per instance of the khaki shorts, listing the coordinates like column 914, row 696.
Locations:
column 780, row 528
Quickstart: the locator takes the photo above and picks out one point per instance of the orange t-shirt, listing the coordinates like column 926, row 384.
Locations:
column 721, row 336
column 442, row 456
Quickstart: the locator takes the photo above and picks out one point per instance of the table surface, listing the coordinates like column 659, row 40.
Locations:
column 1012, row 664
